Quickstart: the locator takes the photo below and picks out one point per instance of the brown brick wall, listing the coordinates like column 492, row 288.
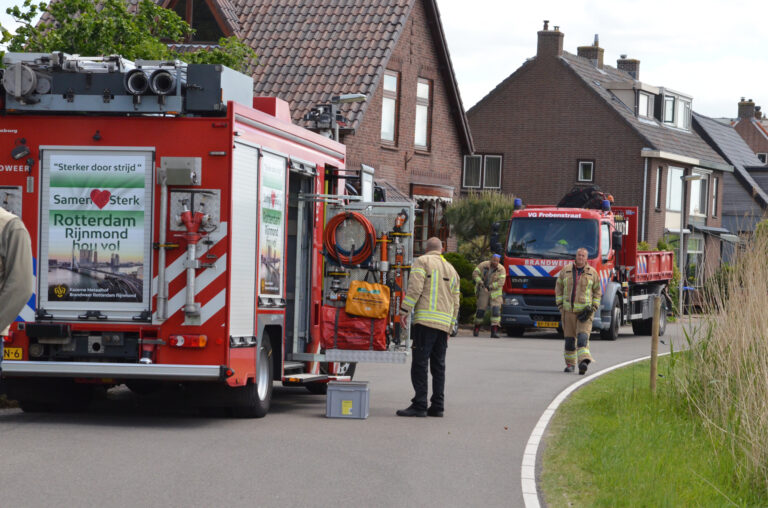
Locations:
column 415, row 56
column 752, row 135
column 545, row 119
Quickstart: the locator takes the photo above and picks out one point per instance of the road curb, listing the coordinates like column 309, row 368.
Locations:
column 528, row 469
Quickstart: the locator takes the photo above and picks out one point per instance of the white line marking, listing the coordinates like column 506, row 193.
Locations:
column 528, row 469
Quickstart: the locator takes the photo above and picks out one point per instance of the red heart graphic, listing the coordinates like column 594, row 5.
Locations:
column 100, row 197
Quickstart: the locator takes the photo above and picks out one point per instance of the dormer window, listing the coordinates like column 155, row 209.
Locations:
column 669, row 110
column 644, row 105
column 677, row 112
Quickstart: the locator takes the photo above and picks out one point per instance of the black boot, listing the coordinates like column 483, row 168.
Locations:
column 569, row 368
column 494, row 329
column 476, row 331
column 411, row 411
column 583, row 366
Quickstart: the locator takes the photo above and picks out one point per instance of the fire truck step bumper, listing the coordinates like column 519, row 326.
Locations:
column 344, row 355
column 115, row 370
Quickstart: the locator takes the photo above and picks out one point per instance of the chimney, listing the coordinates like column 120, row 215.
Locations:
column 629, row 65
column 746, row 109
column 550, row 41
column 594, row 53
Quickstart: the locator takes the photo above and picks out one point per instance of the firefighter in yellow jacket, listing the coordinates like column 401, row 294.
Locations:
column 433, row 296
column 578, row 294
column 489, row 279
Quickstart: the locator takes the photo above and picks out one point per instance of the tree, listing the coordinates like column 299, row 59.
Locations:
column 107, row 27
column 472, row 218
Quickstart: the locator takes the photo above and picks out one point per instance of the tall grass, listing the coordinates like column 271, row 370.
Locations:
column 725, row 378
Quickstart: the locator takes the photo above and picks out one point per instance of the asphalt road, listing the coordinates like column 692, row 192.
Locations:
column 128, row 452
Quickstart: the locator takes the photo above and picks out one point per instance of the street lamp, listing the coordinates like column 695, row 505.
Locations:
column 685, row 179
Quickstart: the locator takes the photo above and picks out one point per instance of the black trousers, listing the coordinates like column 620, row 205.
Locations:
column 429, row 347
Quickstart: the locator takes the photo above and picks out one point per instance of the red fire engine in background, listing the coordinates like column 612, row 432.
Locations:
column 542, row 240
column 178, row 236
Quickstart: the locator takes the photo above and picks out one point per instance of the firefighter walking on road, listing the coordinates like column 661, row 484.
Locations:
column 489, row 279
column 578, row 294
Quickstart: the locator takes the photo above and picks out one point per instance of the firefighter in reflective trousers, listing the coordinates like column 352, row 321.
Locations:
column 577, row 294
column 489, row 279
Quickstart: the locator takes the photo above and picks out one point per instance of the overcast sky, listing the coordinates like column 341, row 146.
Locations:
column 714, row 50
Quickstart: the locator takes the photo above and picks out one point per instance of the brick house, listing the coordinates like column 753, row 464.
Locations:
column 745, row 201
column 563, row 120
column 753, row 128
column 411, row 128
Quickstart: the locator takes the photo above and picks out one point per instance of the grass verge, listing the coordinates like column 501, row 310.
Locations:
column 613, row 444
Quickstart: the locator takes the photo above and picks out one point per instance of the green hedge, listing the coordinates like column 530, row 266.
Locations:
column 468, row 301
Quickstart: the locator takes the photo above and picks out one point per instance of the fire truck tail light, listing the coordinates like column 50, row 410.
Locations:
column 7, row 339
column 191, row 341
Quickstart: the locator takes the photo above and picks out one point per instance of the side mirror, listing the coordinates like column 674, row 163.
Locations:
column 616, row 240
column 496, row 247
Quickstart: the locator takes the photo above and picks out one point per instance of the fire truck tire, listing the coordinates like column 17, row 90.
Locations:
column 515, row 331
column 253, row 399
column 345, row 369
column 53, row 395
column 612, row 333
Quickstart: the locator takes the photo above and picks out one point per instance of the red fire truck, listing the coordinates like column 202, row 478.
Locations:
column 542, row 240
column 177, row 225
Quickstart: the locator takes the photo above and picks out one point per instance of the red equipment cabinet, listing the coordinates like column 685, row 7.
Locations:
column 169, row 246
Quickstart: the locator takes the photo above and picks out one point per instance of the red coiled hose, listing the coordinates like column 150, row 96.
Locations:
column 359, row 256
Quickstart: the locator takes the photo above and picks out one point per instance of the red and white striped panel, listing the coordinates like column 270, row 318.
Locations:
column 210, row 283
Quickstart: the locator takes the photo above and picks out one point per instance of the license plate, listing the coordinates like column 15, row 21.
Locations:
column 12, row 353
column 547, row 324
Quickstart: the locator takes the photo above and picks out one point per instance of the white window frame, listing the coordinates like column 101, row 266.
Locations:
column 659, row 175
column 480, row 173
column 701, row 189
column 391, row 96
column 582, row 164
column 485, row 171
column 715, row 185
column 645, row 112
column 675, row 182
column 426, row 103
column 669, row 99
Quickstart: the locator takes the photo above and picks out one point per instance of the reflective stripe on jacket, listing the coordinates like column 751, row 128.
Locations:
column 588, row 291
column 433, row 292
column 494, row 278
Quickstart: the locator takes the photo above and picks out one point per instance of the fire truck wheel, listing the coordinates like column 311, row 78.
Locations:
column 515, row 331
column 612, row 333
column 345, row 369
column 645, row 326
column 254, row 398
column 55, row 395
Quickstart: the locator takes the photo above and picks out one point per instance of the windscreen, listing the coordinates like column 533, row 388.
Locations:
column 551, row 238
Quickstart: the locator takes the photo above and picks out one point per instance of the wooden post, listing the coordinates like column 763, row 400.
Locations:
column 655, row 340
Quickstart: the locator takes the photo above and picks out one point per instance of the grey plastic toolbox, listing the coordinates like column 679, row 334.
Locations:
column 347, row 399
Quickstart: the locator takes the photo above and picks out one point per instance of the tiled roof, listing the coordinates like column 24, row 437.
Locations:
column 656, row 135
column 735, row 150
column 311, row 51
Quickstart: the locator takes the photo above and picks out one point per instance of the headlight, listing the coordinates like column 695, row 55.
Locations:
column 512, row 301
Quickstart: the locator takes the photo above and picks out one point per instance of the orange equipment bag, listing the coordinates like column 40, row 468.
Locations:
column 342, row 331
column 367, row 299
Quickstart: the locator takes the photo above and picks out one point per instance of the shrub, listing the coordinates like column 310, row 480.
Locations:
column 460, row 263
column 467, row 299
